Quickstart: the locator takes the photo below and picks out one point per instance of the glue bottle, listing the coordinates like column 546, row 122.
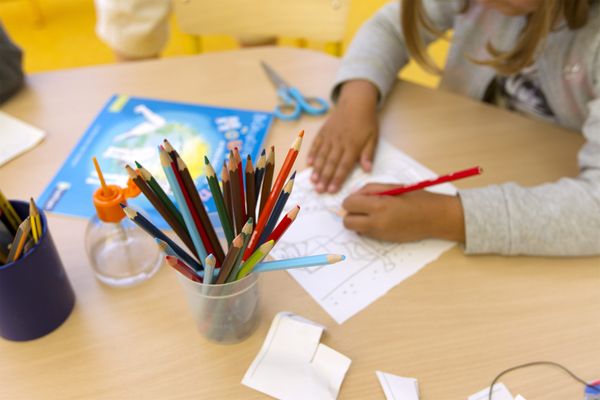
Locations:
column 120, row 252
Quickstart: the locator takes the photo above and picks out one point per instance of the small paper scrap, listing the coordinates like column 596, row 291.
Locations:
column 500, row 392
column 293, row 364
column 398, row 387
column 16, row 137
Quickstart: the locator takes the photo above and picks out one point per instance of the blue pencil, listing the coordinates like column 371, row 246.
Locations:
column 165, row 162
column 153, row 231
column 299, row 262
column 276, row 213
column 168, row 250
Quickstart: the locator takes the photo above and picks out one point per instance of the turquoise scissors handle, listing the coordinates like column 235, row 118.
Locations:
column 293, row 103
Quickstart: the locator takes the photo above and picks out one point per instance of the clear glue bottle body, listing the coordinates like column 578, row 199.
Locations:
column 121, row 253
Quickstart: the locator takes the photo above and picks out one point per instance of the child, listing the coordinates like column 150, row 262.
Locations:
column 538, row 57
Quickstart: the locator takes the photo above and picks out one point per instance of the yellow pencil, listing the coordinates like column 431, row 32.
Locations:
column 9, row 212
column 19, row 240
column 255, row 258
column 33, row 214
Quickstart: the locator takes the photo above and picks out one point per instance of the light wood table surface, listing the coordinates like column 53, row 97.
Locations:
column 454, row 325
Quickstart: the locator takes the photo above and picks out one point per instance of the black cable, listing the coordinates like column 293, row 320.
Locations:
column 534, row 363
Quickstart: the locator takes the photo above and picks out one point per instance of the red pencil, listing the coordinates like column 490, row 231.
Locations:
column 183, row 268
column 283, row 225
column 431, row 182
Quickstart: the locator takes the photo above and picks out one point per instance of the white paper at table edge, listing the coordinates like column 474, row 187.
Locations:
column 519, row 397
column 321, row 355
column 499, row 389
column 34, row 133
column 398, row 387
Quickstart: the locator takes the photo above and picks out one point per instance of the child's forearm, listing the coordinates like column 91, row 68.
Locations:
column 359, row 95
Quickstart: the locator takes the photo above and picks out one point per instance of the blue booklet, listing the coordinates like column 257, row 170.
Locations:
column 130, row 129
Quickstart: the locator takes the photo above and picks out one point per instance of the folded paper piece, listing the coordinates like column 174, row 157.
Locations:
column 16, row 137
column 500, row 392
column 398, row 387
column 293, row 364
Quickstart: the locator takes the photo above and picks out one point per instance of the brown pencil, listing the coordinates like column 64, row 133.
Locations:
column 232, row 254
column 240, row 177
column 268, row 179
column 250, row 189
column 19, row 240
column 227, row 193
column 190, row 187
column 259, row 173
column 236, row 200
column 179, row 229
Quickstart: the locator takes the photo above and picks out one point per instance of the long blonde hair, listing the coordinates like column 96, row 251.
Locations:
column 539, row 24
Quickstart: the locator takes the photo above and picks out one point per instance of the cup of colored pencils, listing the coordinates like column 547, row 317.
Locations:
column 220, row 275
column 36, row 296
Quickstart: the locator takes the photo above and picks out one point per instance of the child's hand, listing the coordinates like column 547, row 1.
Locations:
column 406, row 218
column 349, row 135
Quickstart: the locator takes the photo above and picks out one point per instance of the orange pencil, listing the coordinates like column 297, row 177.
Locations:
column 277, row 186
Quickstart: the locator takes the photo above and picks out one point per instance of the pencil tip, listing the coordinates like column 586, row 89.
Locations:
column 206, row 161
column 293, row 176
column 137, row 164
column 263, row 152
column 301, row 134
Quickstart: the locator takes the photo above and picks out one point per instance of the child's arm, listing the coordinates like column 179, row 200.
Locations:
column 374, row 58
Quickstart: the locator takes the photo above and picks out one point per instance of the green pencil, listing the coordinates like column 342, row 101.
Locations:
column 213, row 183
column 256, row 257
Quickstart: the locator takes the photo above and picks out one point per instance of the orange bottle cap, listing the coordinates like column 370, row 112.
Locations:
column 108, row 204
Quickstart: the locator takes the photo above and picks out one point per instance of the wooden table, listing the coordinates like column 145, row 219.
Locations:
column 454, row 325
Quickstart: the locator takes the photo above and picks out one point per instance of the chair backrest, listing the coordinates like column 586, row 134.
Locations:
column 322, row 20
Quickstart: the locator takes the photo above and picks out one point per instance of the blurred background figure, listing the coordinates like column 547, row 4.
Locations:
column 139, row 29
column 11, row 71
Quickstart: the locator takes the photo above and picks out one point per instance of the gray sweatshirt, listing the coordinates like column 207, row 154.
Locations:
column 11, row 74
column 558, row 218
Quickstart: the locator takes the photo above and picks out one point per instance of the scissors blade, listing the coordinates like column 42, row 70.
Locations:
column 275, row 78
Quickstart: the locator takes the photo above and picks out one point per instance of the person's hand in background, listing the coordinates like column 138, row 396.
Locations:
column 348, row 136
column 406, row 218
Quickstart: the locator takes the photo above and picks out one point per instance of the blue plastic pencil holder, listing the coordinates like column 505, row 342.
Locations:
column 36, row 296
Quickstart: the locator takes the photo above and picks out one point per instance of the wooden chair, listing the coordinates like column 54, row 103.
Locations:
column 318, row 20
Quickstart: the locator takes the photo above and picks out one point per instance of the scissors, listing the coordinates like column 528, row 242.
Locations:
column 293, row 102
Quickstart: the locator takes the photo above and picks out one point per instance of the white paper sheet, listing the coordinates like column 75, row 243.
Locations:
column 292, row 363
column 16, row 137
column 501, row 392
column 371, row 267
column 398, row 387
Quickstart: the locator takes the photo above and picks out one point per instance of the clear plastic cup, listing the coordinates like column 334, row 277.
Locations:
column 227, row 313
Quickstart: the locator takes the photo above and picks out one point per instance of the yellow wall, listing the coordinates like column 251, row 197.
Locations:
column 66, row 38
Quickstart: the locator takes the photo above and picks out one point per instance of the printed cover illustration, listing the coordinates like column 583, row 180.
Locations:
column 130, row 129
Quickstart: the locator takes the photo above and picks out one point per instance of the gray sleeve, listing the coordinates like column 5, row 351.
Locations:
column 11, row 72
column 554, row 219
column 377, row 52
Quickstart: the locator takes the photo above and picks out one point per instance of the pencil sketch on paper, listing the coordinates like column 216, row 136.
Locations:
column 372, row 267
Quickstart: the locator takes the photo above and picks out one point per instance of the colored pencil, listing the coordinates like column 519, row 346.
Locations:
column 161, row 207
column 236, row 199
column 209, row 269
column 284, row 224
column 166, row 163
column 250, row 189
column 19, row 240
column 267, row 180
column 278, row 209
column 170, row 150
column 240, row 175
column 274, row 194
column 246, row 233
column 213, row 184
column 256, row 257
column 105, row 189
column 10, row 214
column 168, row 250
column 156, row 233
column 431, row 182
column 158, row 190
column 227, row 194
column 230, row 259
column 299, row 262
column 259, row 173
column 36, row 225
column 214, row 246
column 183, row 268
